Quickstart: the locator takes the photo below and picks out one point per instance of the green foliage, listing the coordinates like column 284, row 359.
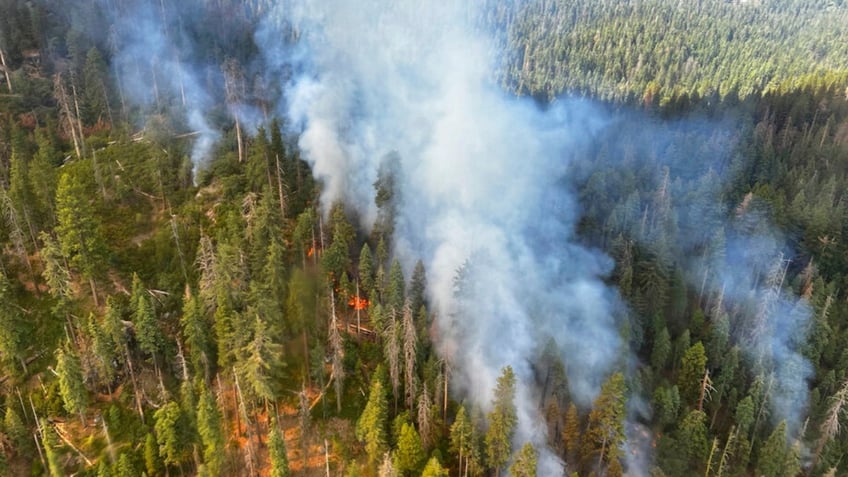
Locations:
column 525, row 462
column 692, row 369
column 71, row 385
column 409, row 456
column 371, row 426
column 147, row 330
column 172, row 434
column 50, row 444
column 79, row 229
column 209, row 427
column 277, row 450
column 434, row 469
column 604, row 434
column 502, row 420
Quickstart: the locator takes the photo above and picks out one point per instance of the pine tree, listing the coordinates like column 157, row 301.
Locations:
column 12, row 328
column 502, row 421
column 49, row 443
column 525, row 462
column 366, row 270
column 79, row 230
column 71, row 385
column 605, row 430
column 371, row 426
column 198, row 334
column 171, row 433
column 277, row 450
column 409, row 456
column 152, row 462
column 461, row 438
column 772, row 458
column 396, row 292
column 148, row 334
column 571, row 433
column 104, row 352
column 692, row 369
column 259, row 361
column 209, row 428
column 434, row 469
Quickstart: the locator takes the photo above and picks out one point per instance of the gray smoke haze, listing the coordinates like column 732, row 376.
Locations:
column 481, row 183
column 729, row 249
column 158, row 70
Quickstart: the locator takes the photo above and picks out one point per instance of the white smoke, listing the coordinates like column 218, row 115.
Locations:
column 480, row 182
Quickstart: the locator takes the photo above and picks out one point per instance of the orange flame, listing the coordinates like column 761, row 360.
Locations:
column 358, row 303
column 310, row 252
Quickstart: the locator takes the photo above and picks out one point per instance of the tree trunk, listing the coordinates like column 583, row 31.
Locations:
column 6, row 71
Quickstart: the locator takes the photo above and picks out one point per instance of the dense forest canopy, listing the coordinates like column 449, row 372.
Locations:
column 413, row 238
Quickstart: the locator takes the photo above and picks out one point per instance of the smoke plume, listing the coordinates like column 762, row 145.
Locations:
column 481, row 183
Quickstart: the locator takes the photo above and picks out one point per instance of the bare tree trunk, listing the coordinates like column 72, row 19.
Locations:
column 239, row 140
column 6, row 71
column 78, row 118
column 134, row 385
column 280, row 188
column 62, row 97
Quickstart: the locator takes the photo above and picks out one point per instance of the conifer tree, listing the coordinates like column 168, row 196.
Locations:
column 525, row 462
column 461, row 441
column 71, row 385
column 409, row 456
column 502, row 421
column 434, row 469
column 605, row 430
column 259, row 361
column 571, row 432
column 209, row 428
column 50, row 443
column 371, row 426
column 277, row 449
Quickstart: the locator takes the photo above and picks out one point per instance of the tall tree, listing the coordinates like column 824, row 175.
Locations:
column 277, row 449
column 525, row 462
column 502, row 421
column 409, row 457
column 209, row 422
column 71, row 385
column 371, row 426
column 79, row 229
column 604, row 434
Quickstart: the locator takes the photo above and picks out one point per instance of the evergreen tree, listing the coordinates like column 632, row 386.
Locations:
column 147, row 330
column 692, row 369
column 50, row 443
column 366, row 270
column 434, row 469
column 71, row 385
column 79, row 229
column 259, row 361
column 209, row 422
column 409, row 456
column 171, row 433
column 604, row 434
column 198, row 334
column 277, row 449
column 525, row 462
column 461, row 441
column 772, row 458
column 152, row 462
column 371, row 426
column 502, row 421
column 571, row 433
column 12, row 329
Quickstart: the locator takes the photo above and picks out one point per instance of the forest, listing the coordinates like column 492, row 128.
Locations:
column 188, row 288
